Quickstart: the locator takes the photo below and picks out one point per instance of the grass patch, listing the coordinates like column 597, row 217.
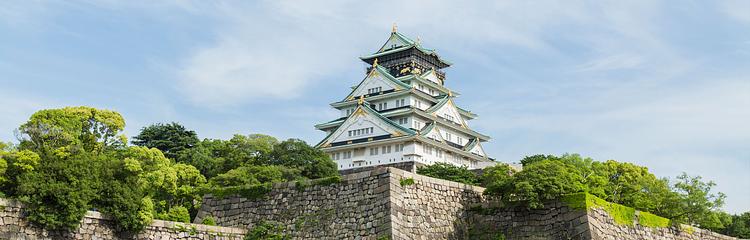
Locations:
column 265, row 230
column 406, row 181
column 650, row 220
column 576, row 201
column 622, row 215
column 209, row 221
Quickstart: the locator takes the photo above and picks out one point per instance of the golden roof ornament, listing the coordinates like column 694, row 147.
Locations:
column 375, row 63
column 394, row 28
column 361, row 99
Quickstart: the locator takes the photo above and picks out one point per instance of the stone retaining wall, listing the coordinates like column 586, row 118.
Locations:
column 357, row 207
column 555, row 221
column 389, row 203
column 95, row 226
column 430, row 208
column 603, row 226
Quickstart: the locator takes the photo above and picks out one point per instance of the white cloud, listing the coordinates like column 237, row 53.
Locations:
column 274, row 50
column 737, row 9
column 613, row 62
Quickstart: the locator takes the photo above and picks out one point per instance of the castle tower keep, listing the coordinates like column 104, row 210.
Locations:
column 402, row 114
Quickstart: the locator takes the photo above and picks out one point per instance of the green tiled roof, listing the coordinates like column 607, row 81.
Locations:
column 438, row 105
column 409, row 44
column 384, row 72
column 366, row 107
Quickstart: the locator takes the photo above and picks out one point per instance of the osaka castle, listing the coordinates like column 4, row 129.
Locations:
column 402, row 114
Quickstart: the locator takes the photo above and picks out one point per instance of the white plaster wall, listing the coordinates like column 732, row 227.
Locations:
column 363, row 153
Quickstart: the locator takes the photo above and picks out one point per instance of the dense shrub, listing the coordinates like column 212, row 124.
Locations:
column 449, row 172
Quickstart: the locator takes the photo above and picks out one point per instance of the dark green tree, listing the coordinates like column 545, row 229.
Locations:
column 172, row 138
column 739, row 226
column 497, row 179
column 213, row 156
column 537, row 158
column 541, row 181
column 60, row 190
column 449, row 172
column 294, row 153
column 252, row 175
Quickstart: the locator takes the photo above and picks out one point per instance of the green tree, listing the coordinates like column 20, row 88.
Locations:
column 630, row 185
column 312, row 162
column 528, row 160
column 122, row 198
column 252, row 175
column 696, row 203
column 167, row 183
column 497, row 178
column 739, row 226
column 213, row 156
column 543, row 180
column 15, row 164
column 176, row 214
column 60, row 190
column 172, row 138
column 72, row 129
column 449, row 172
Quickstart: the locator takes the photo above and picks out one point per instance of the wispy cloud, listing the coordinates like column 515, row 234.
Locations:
column 737, row 9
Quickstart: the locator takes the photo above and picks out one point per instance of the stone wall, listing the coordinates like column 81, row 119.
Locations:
column 554, row 221
column 367, row 205
column 603, row 226
column 430, row 208
column 389, row 203
column 95, row 226
column 356, row 207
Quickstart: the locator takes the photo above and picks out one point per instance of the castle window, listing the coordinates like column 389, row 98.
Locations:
column 347, row 155
column 402, row 121
column 386, row 149
column 374, row 90
column 361, row 131
column 427, row 149
column 374, row 151
column 449, row 117
column 399, row 147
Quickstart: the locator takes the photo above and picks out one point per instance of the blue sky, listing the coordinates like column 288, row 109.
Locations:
column 664, row 84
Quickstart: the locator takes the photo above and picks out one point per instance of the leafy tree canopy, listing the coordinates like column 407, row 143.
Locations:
column 171, row 138
column 72, row 128
column 449, row 172
column 545, row 177
column 295, row 153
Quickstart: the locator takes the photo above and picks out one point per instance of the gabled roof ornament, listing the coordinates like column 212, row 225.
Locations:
column 375, row 62
column 394, row 28
column 361, row 100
